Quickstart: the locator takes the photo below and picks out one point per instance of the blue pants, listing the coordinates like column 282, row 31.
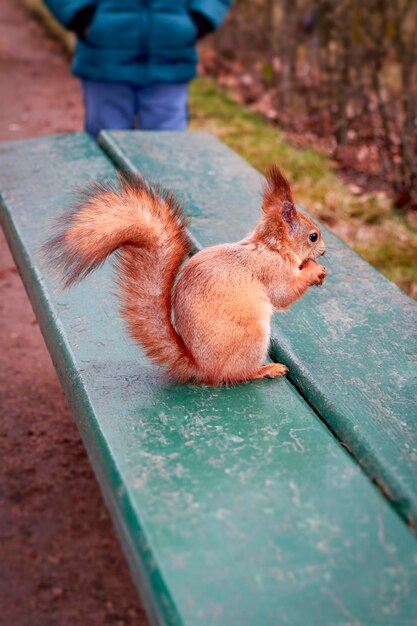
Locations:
column 118, row 106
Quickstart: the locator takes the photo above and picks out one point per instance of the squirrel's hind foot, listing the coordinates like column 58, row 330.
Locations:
column 272, row 370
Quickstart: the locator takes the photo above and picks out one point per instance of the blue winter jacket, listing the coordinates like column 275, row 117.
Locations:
column 138, row 41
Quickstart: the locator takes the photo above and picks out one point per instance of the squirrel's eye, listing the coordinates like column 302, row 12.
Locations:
column 313, row 237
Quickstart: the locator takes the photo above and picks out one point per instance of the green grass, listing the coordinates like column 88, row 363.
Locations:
column 367, row 223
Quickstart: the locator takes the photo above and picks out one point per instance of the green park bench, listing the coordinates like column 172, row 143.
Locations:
column 290, row 501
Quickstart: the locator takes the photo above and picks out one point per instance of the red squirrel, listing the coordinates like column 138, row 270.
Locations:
column 207, row 321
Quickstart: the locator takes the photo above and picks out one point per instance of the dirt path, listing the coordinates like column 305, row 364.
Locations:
column 61, row 563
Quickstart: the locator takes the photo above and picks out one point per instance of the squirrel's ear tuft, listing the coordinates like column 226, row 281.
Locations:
column 288, row 212
column 277, row 190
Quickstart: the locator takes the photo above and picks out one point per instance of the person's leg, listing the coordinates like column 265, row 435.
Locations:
column 163, row 106
column 108, row 106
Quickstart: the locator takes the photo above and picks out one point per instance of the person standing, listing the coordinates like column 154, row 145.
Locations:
column 135, row 58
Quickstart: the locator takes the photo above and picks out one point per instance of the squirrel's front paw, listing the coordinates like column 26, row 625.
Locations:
column 317, row 272
column 319, row 275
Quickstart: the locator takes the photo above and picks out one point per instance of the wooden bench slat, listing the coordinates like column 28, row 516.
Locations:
column 350, row 345
column 234, row 505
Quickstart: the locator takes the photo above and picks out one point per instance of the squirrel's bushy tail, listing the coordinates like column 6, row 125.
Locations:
column 146, row 228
